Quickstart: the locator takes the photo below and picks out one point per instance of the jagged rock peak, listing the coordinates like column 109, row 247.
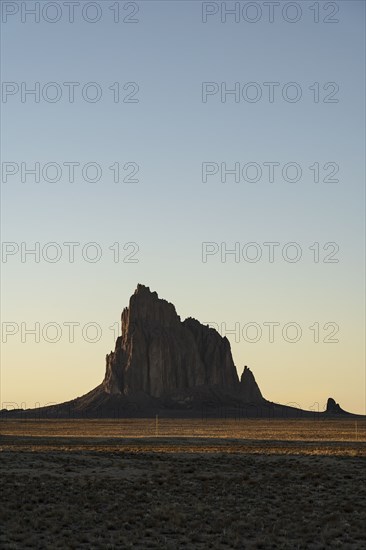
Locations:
column 145, row 290
column 146, row 307
column 249, row 386
column 333, row 407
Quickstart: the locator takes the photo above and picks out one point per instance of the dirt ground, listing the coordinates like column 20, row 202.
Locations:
column 148, row 484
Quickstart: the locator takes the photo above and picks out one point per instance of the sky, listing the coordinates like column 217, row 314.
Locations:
column 169, row 144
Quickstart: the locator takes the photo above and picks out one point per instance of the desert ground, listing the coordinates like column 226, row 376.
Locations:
column 182, row 484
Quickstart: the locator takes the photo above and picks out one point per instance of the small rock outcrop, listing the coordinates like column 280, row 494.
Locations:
column 333, row 407
column 249, row 389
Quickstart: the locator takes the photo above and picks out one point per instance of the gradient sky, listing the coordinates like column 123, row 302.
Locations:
column 170, row 212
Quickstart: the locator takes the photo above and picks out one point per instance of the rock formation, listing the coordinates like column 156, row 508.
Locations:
column 249, row 389
column 158, row 354
column 333, row 407
column 162, row 365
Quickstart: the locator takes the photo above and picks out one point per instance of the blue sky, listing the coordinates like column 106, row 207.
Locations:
column 170, row 212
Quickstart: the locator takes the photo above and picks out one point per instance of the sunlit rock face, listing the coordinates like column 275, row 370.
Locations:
column 158, row 354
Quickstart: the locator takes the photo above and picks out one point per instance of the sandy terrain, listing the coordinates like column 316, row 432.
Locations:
column 182, row 484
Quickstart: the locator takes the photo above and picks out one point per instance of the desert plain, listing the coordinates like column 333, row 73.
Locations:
column 182, row 484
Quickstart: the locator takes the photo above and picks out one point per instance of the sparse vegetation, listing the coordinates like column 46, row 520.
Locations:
column 200, row 485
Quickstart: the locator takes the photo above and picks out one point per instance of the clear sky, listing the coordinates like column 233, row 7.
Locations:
column 149, row 97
